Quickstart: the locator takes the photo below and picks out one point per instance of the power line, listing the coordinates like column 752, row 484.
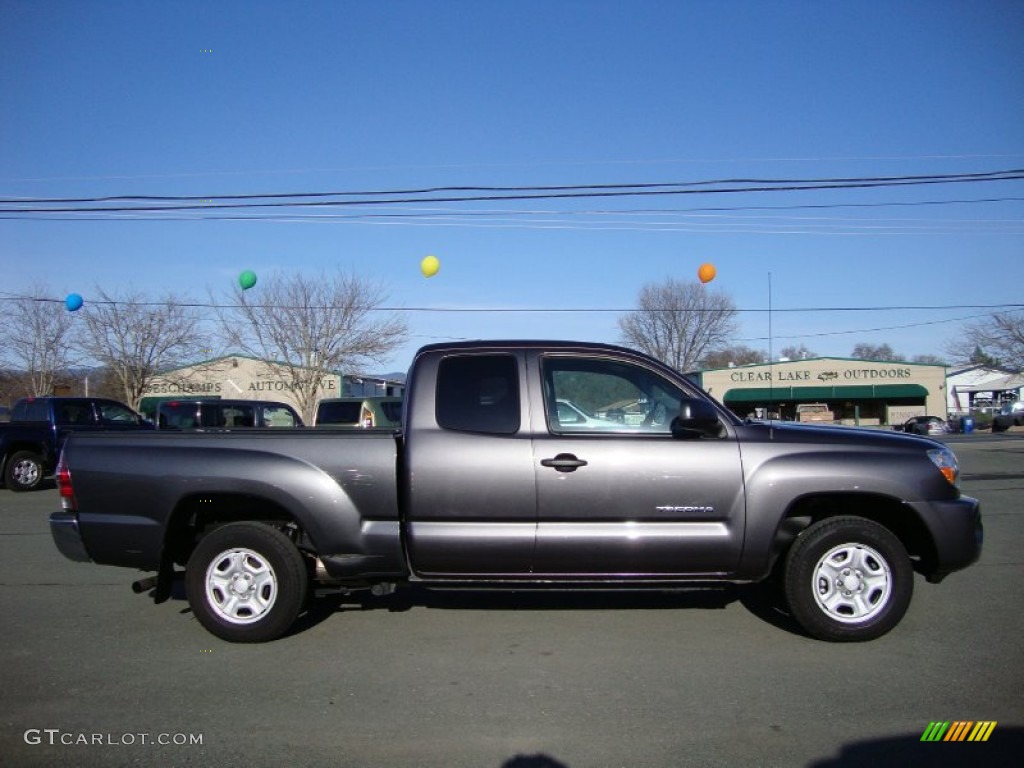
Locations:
column 867, row 330
column 977, row 176
column 9, row 297
column 489, row 193
column 6, row 296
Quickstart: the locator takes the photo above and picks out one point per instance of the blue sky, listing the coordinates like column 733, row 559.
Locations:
column 199, row 98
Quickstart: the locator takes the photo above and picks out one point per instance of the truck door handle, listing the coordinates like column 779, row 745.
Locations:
column 563, row 462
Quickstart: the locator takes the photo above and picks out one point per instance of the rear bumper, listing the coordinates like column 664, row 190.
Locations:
column 64, row 529
column 956, row 531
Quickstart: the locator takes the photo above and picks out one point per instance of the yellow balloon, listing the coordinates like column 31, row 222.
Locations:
column 430, row 265
column 706, row 273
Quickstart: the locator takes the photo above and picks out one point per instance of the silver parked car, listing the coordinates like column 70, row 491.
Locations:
column 926, row 425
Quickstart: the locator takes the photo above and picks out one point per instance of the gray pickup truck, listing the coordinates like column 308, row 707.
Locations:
column 642, row 482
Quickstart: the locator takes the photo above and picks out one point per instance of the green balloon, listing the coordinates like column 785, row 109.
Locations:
column 247, row 279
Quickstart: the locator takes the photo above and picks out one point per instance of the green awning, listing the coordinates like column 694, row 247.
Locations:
column 893, row 391
column 818, row 394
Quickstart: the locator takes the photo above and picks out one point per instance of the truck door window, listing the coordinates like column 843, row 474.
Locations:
column 276, row 416
column 74, row 413
column 229, row 416
column 585, row 395
column 478, row 393
column 179, row 416
column 113, row 413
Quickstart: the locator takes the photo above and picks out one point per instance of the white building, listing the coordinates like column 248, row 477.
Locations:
column 978, row 387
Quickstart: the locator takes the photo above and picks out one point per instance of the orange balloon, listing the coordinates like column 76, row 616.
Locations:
column 706, row 273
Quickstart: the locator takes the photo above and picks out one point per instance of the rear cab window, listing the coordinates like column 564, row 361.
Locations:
column 339, row 412
column 392, row 410
column 30, row 410
column 478, row 393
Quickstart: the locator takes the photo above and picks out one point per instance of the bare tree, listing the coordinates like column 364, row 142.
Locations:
column 881, row 353
column 38, row 337
column 311, row 327
column 797, row 353
column 997, row 341
column 135, row 338
column 738, row 355
column 679, row 322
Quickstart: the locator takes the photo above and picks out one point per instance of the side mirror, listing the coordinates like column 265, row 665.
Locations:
column 696, row 419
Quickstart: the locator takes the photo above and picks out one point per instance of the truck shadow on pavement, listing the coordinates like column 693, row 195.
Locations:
column 763, row 600
column 760, row 599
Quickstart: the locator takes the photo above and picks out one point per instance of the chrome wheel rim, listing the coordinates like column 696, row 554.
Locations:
column 241, row 586
column 26, row 472
column 852, row 583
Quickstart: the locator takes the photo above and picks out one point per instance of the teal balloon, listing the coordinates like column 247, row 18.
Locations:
column 73, row 302
column 247, row 279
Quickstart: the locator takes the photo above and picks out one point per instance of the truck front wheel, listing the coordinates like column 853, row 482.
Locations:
column 848, row 579
column 24, row 471
column 246, row 582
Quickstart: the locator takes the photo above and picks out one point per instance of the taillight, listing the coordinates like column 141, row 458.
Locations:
column 67, row 493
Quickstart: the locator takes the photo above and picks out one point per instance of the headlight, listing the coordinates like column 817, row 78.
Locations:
column 945, row 460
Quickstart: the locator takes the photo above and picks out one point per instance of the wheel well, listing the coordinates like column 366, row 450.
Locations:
column 887, row 511
column 18, row 447
column 197, row 515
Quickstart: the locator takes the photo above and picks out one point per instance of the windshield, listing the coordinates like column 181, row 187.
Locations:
column 338, row 413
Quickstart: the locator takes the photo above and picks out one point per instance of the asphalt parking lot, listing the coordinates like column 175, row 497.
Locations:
column 93, row 675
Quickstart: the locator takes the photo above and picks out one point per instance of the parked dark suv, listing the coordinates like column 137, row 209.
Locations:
column 192, row 414
column 1009, row 415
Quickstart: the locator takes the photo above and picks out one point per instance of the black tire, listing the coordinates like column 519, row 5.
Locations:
column 246, row 582
column 848, row 579
column 24, row 471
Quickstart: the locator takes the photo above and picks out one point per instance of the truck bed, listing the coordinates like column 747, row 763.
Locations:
column 341, row 485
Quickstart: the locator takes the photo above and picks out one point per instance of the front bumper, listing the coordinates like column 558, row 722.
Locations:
column 64, row 529
column 957, row 533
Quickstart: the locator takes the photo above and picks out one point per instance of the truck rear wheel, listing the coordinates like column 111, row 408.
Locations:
column 246, row 582
column 848, row 579
column 24, row 471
